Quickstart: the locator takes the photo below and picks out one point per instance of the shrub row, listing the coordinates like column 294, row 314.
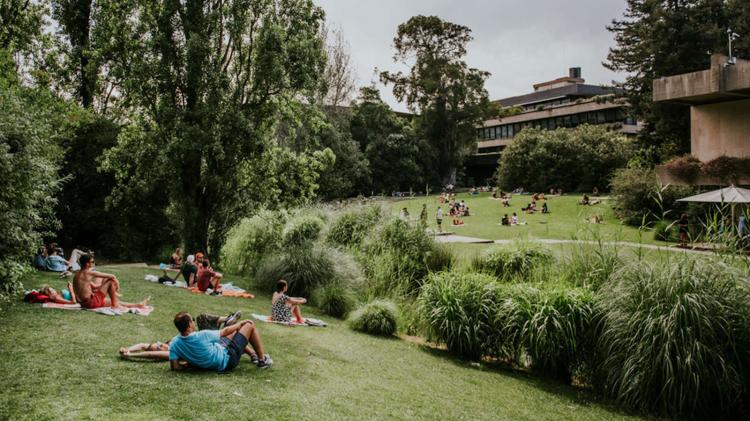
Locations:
column 724, row 168
column 671, row 339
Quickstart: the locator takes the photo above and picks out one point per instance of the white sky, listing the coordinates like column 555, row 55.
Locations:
column 521, row 42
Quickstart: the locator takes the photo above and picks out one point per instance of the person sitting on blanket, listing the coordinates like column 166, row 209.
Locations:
column 283, row 306
column 56, row 263
column 189, row 271
column 175, row 260
column 92, row 288
column 208, row 278
column 211, row 349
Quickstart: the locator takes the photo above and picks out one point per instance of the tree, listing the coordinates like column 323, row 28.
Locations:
column 398, row 159
column 448, row 95
column 339, row 74
column 31, row 122
column 209, row 78
column 658, row 38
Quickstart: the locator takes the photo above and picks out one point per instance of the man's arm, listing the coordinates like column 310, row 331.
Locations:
column 102, row 275
column 234, row 328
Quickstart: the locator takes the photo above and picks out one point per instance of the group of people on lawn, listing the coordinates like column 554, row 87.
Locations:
column 219, row 343
column 197, row 271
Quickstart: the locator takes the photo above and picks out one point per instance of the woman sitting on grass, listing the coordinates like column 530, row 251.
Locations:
column 283, row 306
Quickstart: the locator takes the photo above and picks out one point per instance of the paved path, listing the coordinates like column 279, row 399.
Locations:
column 472, row 240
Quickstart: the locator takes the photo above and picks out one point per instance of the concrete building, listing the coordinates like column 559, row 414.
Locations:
column 563, row 102
column 719, row 101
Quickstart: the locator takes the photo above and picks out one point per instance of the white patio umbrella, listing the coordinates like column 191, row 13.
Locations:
column 731, row 195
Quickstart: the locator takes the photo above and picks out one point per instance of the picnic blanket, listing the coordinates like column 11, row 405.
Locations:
column 227, row 290
column 102, row 310
column 307, row 322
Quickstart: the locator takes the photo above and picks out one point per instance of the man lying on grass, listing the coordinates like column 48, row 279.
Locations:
column 213, row 350
column 92, row 288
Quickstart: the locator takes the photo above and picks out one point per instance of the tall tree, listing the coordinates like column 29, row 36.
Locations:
column 208, row 78
column 339, row 74
column 448, row 95
column 658, row 38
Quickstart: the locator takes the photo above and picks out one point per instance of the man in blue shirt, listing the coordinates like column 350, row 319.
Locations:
column 211, row 349
column 55, row 263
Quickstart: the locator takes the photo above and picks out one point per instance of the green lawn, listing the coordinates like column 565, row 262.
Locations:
column 63, row 364
column 567, row 219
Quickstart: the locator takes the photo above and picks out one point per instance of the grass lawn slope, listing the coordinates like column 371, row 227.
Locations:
column 566, row 220
column 57, row 364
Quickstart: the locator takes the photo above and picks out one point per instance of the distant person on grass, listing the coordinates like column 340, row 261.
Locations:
column 284, row 306
column 207, row 277
column 189, row 271
column 684, row 226
column 175, row 260
column 440, row 219
column 211, row 349
column 92, row 288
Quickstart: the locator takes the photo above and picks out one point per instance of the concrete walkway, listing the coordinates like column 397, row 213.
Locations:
column 452, row 238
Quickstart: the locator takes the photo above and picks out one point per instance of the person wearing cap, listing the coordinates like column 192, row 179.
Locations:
column 189, row 271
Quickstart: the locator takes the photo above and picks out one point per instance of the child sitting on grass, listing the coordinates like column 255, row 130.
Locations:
column 283, row 306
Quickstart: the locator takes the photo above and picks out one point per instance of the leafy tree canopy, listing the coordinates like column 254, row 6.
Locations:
column 448, row 95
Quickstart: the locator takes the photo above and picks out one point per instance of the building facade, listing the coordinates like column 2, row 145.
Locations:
column 562, row 102
column 719, row 101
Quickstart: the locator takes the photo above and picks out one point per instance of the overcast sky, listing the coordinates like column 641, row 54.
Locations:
column 521, row 42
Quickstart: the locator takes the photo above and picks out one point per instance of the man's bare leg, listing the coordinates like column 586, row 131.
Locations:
column 110, row 289
column 248, row 331
column 142, row 304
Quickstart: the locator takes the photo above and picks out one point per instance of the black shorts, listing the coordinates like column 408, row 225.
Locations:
column 440, row 222
column 235, row 349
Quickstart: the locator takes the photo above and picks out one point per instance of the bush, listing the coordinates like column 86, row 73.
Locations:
column 665, row 231
column 307, row 267
column 379, row 317
column 638, row 198
column 32, row 122
column 351, row 227
column 674, row 339
column 686, row 168
column 572, row 159
column 729, row 170
column 508, row 263
column 250, row 241
column 301, row 230
column 334, row 299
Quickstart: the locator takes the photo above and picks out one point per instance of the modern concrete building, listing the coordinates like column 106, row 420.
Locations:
column 719, row 100
column 563, row 102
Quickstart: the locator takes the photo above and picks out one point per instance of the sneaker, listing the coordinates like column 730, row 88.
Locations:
column 254, row 359
column 266, row 362
column 233, row 318
column 215, row 293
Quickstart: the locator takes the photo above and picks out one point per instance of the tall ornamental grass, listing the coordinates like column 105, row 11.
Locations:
column 477, row 316
column 335, row 299
column 590, row 266
column 506, row 264
column 301, row 230
column 399, row 256
column 675, row 339
column 352, row 226
column 250, row 241
column 378, row 317
column 307, row 267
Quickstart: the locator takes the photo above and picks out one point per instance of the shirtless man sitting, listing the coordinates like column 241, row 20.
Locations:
column 92, row 288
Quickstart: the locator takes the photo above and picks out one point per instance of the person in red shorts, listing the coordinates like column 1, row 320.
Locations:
column 208, row 278
column 92, row 288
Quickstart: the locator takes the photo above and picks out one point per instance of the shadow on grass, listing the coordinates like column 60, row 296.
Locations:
column 578, row 395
